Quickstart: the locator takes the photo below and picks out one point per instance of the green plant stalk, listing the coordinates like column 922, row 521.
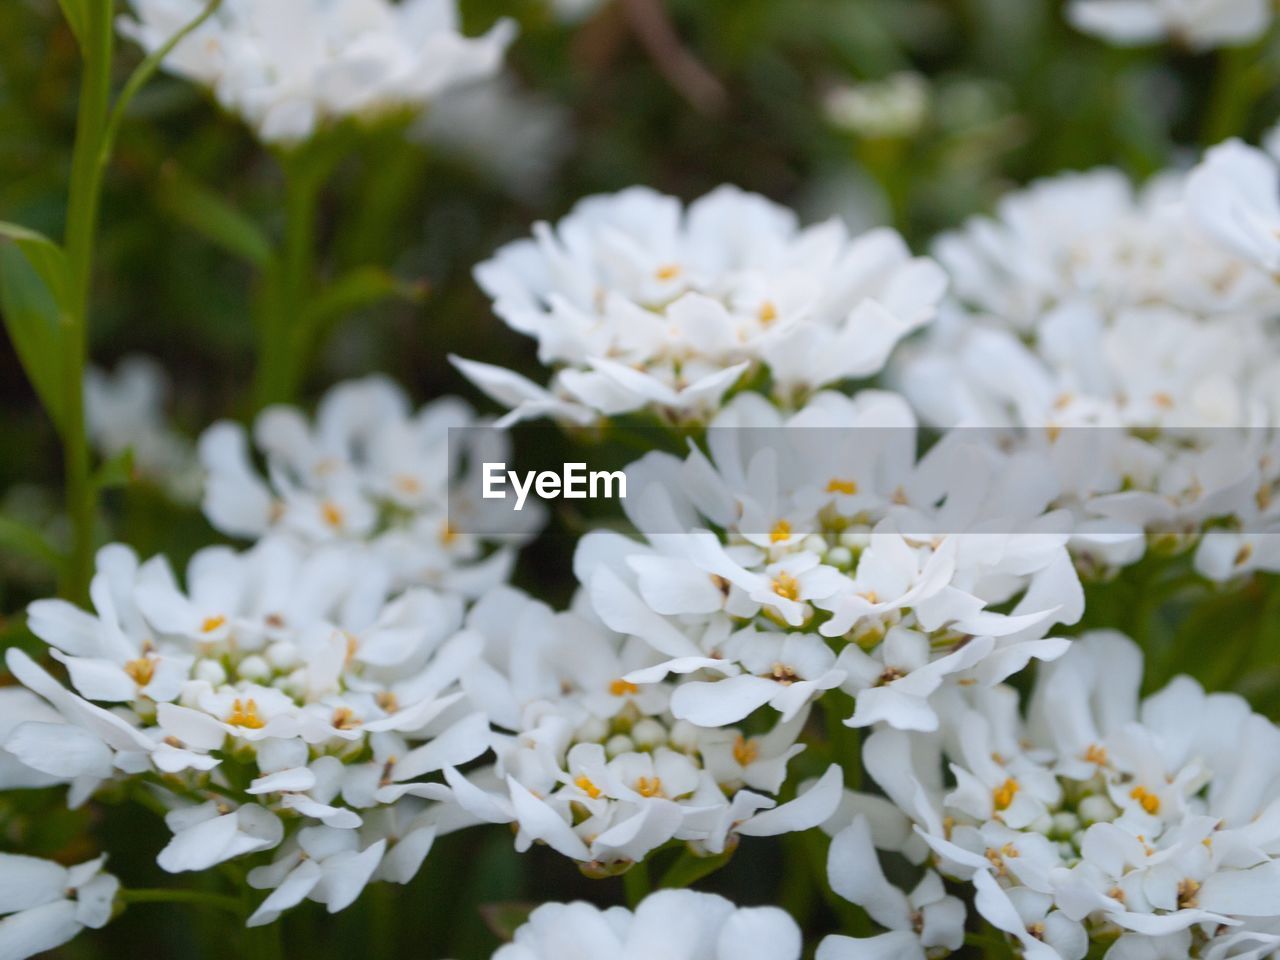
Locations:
column 286, row 289
column 197, row 897
column 82, row 216
column 635, row 883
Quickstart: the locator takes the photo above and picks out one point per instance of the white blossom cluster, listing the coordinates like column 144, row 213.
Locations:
column 361, row 678
column 639, row 304
column 1145, row 826
column 370, row 472
column 1132, row 335
column 290, row 67
column 810, row 564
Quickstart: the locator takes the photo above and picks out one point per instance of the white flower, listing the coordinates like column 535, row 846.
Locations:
column 371, row 471
column 1198, row 24
column 920, row 924
column 896, row 106
column 669, row 923
column 1130, row 339
column 639, row 303
column 43, row 904
column 816, row 554
column 291, row 67
column 1100, row 813
column 338, row 704
column 595, row 766
column 1092, row 237
column 124, row 410
column 1234, row 194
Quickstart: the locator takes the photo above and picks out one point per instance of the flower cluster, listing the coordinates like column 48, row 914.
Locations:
column 640, row 304
column 292, row 66
column 279, row 692
column 594, row 765
column 817, row 553
column 369, row 472
column 1130, row 337
column 1096, row 818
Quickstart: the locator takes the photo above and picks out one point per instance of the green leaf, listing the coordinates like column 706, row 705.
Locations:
column 115, row 472
column 45, row 256
column 358, row 288
column 76, row 13
column 33, row 317
column 210, row 215
column 26, row 541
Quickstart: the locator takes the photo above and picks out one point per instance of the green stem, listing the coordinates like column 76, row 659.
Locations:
column 197, row 897
column 82, row 217
column 286, row 289
column 636, row 883
column 138, row 79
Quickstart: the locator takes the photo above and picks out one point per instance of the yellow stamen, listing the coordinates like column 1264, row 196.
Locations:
column 1146, row 799
column 387, row 701
column 781, row 531
column 668, row 272
column 141, row 671
column 649, row 786
column 836, row 485
column 211, row 624
column 331, row 513
column 1243, row 554
column 745, row 751
column 1002, row 796
column 447, row 534
column 586, row 786
column 768, row 313
column 786, row 586
column 621, row 688
column 344, row 718
column 1187, row 891
column 1096, row 754
column 407, row 484
column 245, row 714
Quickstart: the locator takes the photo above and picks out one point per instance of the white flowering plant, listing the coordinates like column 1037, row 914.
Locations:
column 929, row 355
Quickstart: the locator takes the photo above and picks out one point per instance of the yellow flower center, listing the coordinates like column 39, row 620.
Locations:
column 745, row 751
column 668, row 272
column 786, row 586
column 1096, row 754
column 1146, row 799
column 211, row 624
column 1002, row 796
column 344, row 718
column 244, row 713
column 649, row 786
column 407, row 484
column 768, row 313
column 620, row 688
column 836, row 485
column 141, row 670
column 331, row 513
column 781, row 531
column 583, row 783
column 447, row 534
